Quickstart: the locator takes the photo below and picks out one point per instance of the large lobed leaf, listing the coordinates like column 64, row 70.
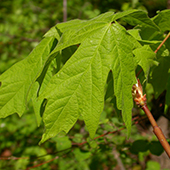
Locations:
column 123, row 71
column 17, row 81
column 78, row 87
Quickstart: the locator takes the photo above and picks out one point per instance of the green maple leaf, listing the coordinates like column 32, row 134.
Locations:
column 78, row 87
column 17, row 81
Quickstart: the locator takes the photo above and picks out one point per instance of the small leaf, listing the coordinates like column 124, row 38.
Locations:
column 156, row 148
column 63, row 143
column 152, row 165
column 119, row 140
column 144, row 57
column 139, row 146
column 135, row 33
column 81, row 155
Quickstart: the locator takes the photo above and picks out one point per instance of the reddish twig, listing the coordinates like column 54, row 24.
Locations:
column 140, row 100
column 35, row 166
column 157, row 131
column 73, row 144
column 107, row 133
column 168, row 35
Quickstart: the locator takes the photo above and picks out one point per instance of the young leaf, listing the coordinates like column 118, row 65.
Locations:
column 144, row 57
column 153, row 165
column 16, row 82
column 63, row 143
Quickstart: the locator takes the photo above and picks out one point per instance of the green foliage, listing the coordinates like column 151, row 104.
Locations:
column 17, row 82
column 147, row 61
column 152, row 165
column 144, row 145
column 160, row 75
column 78, row 88
column 63, row 143
column 162, row 20
column 156, row 148
column 69, row 76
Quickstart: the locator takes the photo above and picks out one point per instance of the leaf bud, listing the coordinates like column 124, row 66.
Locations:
column 137, row 93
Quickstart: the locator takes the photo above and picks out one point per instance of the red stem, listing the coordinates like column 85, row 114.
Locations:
column 162, row 43
column 157, row 131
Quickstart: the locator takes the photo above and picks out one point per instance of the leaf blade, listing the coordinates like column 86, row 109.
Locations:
column 162, row 20
column 83, row 78
column 160, row 75
column 17, row 81
column 140, row 18
column 124, row 72
column 144, row 57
